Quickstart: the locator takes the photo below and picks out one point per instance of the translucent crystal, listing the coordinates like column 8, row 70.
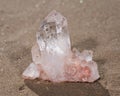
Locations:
column 31, row 72
column 52, row 57
column 53, row 36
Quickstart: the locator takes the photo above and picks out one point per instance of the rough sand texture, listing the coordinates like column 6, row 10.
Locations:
column 93, row 24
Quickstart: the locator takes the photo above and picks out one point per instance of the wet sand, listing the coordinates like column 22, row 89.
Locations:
column 93, row 24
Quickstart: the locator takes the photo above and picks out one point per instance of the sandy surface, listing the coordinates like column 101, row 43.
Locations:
column 93, row 24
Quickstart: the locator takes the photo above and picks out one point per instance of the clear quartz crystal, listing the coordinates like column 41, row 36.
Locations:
column 53, row 36
column 52, row 57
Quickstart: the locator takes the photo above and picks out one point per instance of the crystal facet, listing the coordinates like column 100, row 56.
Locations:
column 52, row 57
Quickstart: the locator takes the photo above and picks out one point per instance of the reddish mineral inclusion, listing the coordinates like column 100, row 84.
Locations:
column 53, row 59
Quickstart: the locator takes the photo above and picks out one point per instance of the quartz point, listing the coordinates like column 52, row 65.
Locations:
column 53, row 59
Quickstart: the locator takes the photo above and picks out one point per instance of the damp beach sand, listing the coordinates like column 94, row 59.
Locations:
column 93, row 24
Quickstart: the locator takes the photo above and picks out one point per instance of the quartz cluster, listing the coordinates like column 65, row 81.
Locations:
column 53, row 59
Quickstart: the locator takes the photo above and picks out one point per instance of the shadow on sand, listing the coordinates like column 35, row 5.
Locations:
column 43, row 88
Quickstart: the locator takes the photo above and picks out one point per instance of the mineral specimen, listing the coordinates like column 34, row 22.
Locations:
column 53, row 59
